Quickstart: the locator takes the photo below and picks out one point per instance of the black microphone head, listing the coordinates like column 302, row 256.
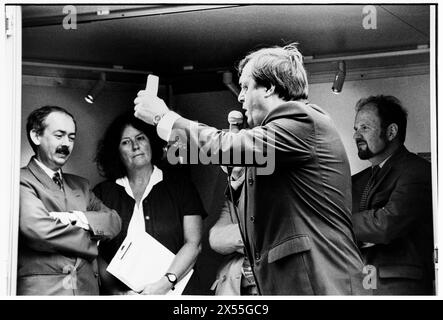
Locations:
column 235, row 117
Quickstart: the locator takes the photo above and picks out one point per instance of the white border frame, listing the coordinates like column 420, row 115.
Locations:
column 10, row 128
column 435, row 135
column 10, row 131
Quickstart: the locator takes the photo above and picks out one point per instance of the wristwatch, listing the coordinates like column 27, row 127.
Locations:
column 157, row 118
column 172, row 278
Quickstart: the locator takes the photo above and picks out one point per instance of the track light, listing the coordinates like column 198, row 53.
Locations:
column 227, row 80
column 95, row 91
column 339, row 77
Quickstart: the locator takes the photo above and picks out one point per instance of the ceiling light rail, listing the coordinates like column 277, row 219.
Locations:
column 420, row 50
column 114, row 69
column 307, row 60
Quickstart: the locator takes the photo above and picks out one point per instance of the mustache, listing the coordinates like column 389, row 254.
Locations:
column 358, row 140
column 63, row 150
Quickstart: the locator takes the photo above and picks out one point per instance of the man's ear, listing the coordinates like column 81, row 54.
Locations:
column 392, row 131
column 270, row 91
column 34, row 137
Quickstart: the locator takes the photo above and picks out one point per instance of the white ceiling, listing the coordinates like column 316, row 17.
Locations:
column 214, row 38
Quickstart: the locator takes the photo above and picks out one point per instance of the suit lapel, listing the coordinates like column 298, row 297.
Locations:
column 48, row 183
column 41, row 176
column 245, row 209
column 384, row 171
column 381, row 176
column 243, row 203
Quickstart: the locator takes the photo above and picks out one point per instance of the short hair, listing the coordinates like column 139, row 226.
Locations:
column 36, row 121
column 108, row 158
column 390, row 110
column 281, row 67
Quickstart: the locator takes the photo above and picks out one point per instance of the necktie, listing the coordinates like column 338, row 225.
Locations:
column 368, row 187
column 58, row 181
column 247, row 270
column 248, row 281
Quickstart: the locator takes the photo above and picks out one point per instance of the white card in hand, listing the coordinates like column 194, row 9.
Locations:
column 152, row 84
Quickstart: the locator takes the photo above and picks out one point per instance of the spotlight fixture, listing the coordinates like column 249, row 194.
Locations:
column 339, row 77
column 227, row 81
column 95, row 91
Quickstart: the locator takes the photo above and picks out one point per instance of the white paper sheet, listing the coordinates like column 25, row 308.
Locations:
column 140, row 260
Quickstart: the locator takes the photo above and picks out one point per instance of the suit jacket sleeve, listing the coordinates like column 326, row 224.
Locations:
column 410, row 198
column 105, row 223
column 290, row 139
column 42, row 232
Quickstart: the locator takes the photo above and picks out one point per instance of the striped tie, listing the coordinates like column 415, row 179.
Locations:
column 368, row 187
column 58, row 181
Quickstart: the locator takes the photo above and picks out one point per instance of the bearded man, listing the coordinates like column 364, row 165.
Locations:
column 392, row 202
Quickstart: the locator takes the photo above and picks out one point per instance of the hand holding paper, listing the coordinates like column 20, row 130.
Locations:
column 147, row 104
column 141, row 261
column 162, row 286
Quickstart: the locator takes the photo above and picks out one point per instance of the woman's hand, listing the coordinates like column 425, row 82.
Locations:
column 160, row 287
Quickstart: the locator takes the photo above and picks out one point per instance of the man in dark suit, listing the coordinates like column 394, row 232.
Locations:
column 61, row 221
column 297, row 215
column 392, row 202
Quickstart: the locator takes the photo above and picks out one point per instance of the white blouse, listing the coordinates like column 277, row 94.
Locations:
column 137, row 223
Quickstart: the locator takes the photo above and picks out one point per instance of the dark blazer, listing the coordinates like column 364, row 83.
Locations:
column 399, row 223
column 53, row 258
column 298, row 218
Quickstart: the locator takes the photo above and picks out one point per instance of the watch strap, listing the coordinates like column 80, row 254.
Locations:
column 157, row 118
column 168, row 276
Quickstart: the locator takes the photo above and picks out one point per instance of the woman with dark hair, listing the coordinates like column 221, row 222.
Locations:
column 148, row 200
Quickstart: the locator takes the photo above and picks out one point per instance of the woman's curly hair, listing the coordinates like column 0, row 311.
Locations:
column 108, row 158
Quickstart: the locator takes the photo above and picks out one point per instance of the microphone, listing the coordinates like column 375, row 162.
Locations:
column 235, row 120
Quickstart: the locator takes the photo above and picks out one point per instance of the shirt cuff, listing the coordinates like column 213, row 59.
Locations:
column 83, row 220
column 164, row 127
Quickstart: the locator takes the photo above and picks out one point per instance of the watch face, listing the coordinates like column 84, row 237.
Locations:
column 172, row 277
column 157, row 119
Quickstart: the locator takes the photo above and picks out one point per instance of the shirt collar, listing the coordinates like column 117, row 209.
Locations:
column 381, row 164
column 48, row 171
column 156, row 177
